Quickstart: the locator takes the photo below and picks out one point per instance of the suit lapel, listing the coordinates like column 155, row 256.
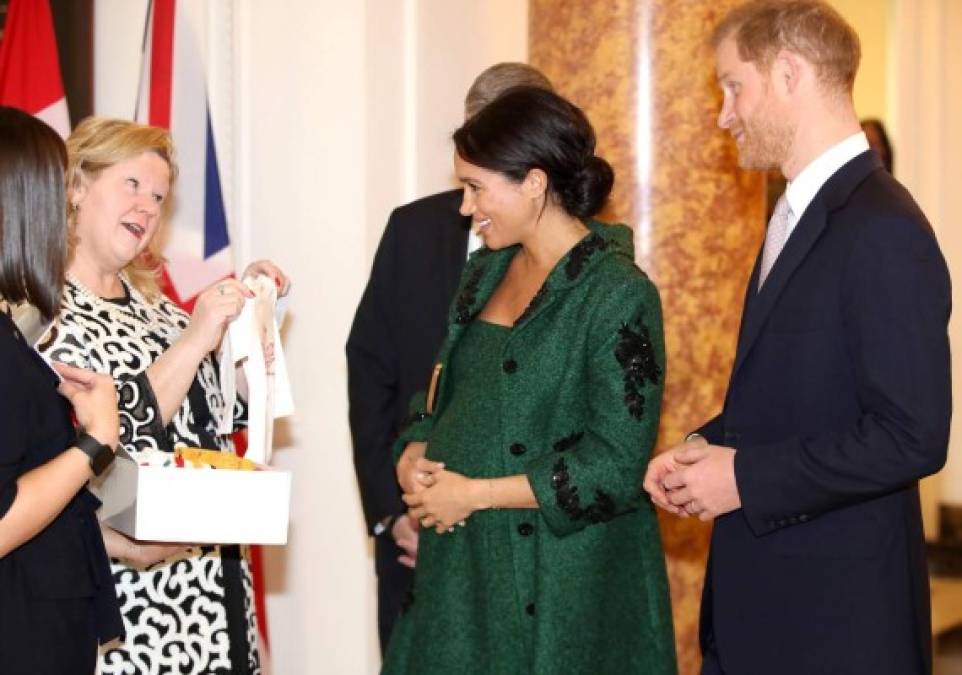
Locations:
column 759, row 305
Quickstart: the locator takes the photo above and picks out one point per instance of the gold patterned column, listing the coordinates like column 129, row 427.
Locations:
column 643, row 72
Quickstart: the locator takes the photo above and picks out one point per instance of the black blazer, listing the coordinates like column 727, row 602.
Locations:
column 399, row 326
column 57, row 597
column 839, row 401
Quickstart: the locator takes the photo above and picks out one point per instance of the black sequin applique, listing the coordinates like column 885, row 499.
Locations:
column 603, row 508
column 637, row 358
column 581, row 252
column 467, row 297
column 533, row 305
column 569, row 441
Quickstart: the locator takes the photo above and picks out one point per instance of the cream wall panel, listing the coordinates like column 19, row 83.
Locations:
column 873, row 22
column 456, row 40
column 926, row 107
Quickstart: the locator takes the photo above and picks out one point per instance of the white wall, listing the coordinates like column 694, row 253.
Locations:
column 118, row 30
column 422, row 57
column 926, row 104
column 330, row 114
column 872, row 20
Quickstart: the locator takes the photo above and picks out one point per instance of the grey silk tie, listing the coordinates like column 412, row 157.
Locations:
column 775, row 237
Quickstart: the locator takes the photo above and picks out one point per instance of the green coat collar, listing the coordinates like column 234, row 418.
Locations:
column 486, row 268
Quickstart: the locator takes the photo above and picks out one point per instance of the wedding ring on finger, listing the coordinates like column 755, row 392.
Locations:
column 462, row 523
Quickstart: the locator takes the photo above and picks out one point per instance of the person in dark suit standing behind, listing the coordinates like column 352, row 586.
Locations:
column 399, row 326
column 840, row 395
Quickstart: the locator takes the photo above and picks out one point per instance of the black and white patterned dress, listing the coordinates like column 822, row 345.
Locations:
column 192, row 613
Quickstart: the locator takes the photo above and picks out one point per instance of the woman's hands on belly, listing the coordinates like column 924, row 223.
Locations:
column 442, row 498
column 410, row 476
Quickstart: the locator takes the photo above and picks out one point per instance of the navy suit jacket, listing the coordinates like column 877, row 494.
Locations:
column 839, row 401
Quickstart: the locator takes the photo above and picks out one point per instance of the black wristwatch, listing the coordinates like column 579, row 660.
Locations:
column 100, row 455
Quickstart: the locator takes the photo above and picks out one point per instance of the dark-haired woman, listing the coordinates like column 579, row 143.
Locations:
column 56, row 595
column 524, row 458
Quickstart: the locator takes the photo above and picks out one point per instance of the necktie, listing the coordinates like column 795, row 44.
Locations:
column 775, row 237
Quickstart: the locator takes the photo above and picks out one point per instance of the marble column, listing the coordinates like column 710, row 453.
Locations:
column 644, row 73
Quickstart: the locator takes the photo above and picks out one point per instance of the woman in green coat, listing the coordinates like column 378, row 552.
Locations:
column 524, row 459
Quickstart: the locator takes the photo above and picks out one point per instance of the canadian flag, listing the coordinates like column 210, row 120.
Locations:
column 29, row 66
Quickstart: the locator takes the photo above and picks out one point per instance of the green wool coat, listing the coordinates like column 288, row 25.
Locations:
column 577, row 585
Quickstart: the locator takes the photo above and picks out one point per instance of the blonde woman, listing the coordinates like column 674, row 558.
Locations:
column 186, row 609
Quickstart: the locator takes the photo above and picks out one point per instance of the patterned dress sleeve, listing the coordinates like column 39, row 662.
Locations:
column 240, row 414
column 141, row 424
column 596, row 474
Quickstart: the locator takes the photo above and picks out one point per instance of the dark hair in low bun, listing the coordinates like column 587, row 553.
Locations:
column 589, row 189
column 530, row 128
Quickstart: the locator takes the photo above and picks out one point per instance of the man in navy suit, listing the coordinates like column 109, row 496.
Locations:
column 397, row 331
column 840, row 395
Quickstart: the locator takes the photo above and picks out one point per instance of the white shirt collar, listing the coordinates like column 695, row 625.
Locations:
column 474, row 241
column 801, row 191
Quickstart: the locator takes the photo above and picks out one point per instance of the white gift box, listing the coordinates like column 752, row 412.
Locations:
column 152, row 502
column 195, row 506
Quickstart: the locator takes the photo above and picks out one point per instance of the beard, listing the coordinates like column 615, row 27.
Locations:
column 766, row 140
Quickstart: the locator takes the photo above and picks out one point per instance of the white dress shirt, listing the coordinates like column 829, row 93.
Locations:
column 801, row 191
column 474, row 241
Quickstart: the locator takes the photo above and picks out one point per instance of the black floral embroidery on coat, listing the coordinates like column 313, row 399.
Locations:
column 467, row 297
column 568, row 441
column 581, row 252
column 533, row 305
column 413, row 418
column 603, row 508
column 636, row 355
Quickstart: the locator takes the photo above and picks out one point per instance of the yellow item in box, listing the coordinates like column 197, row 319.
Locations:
column 201, row 457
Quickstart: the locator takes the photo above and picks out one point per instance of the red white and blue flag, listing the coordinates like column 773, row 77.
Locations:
column 29, row 66
column 173, row 95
